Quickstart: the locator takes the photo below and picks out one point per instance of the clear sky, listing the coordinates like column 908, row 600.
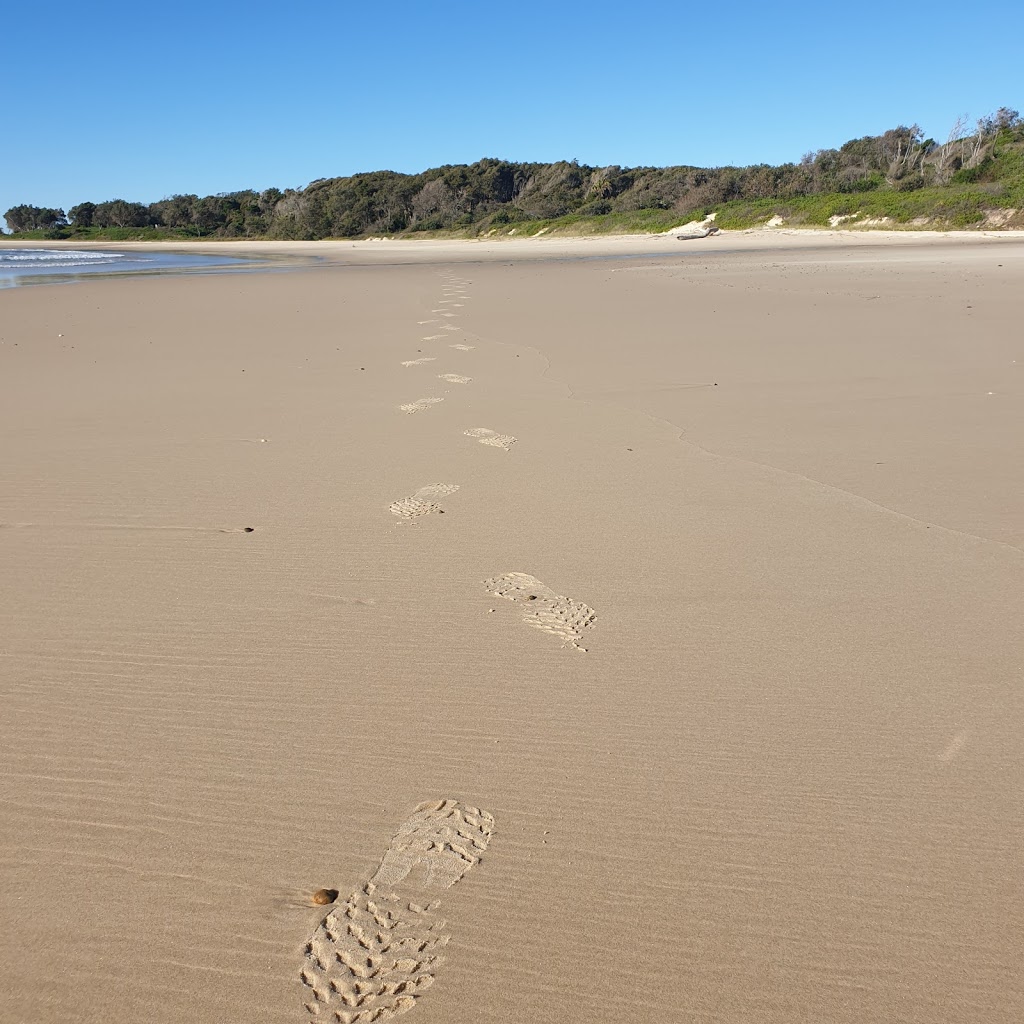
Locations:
column 139, row 101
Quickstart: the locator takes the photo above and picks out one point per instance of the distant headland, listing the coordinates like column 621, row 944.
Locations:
column 972, row 180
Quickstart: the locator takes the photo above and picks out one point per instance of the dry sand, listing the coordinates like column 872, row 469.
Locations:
column 759, row 757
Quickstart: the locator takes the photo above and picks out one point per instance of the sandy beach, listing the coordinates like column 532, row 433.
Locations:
column 618, row 630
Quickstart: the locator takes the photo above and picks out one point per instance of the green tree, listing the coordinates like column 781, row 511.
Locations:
column 81, row 216
column 20, row 218
column 34, row 218
column 176, row 212
column 119, row 213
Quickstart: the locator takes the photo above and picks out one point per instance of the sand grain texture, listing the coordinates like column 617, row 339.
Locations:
column 784, row 782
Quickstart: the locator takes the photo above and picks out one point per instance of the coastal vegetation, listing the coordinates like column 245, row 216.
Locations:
column 974, row 178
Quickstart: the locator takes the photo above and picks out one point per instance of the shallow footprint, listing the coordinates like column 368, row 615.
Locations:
column 375, row 955
column 490, row 437
column 418, row 504
column 419, row 405
column 454, row 378
column 543, row 608
column 421, row 360
column 463, row 348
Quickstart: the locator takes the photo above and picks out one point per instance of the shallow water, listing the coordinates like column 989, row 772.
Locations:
column 53, row 266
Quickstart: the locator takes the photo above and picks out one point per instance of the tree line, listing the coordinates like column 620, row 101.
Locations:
column 495, row 193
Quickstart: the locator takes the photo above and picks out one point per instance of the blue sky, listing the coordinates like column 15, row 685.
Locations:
column 139, row 101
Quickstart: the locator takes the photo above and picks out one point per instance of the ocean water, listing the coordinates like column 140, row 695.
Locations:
column 52, row 266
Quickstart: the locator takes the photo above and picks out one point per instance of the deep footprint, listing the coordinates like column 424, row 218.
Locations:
column 543, row 608
column 375, row 955
column 418, row 504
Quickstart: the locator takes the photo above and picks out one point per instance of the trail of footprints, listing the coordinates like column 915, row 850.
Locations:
column 373, row 957
column 543, row 609
column 455, row 287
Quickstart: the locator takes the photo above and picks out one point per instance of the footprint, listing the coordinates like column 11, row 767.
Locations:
column 419, row 404
column 450, row 327
column 454, row 378
column 418, row 505
column 543, row 608
column 433, row 337
column 375, row 955
column 417, row 362
column 463, row 348
column 485, row 436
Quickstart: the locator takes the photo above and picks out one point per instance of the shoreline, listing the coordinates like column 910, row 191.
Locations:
column 293, row 255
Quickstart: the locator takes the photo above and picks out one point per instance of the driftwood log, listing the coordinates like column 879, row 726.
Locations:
column 700, row 233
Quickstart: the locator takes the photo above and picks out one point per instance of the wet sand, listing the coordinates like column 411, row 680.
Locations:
column 631, row 638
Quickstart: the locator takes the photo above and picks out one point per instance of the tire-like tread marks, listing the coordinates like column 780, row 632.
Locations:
column 374, row 955
column 543, row 608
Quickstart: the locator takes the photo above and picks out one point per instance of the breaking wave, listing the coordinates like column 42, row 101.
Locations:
column 46, row 259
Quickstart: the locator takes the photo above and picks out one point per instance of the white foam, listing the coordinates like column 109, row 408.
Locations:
column 31, row 259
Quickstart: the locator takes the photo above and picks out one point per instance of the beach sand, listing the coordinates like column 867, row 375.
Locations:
column 628, row 638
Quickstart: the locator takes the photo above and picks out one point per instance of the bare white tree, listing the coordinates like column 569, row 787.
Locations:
column 903, row 150
column 946, row 155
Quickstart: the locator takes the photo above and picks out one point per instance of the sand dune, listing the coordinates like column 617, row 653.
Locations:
column 772, row 486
